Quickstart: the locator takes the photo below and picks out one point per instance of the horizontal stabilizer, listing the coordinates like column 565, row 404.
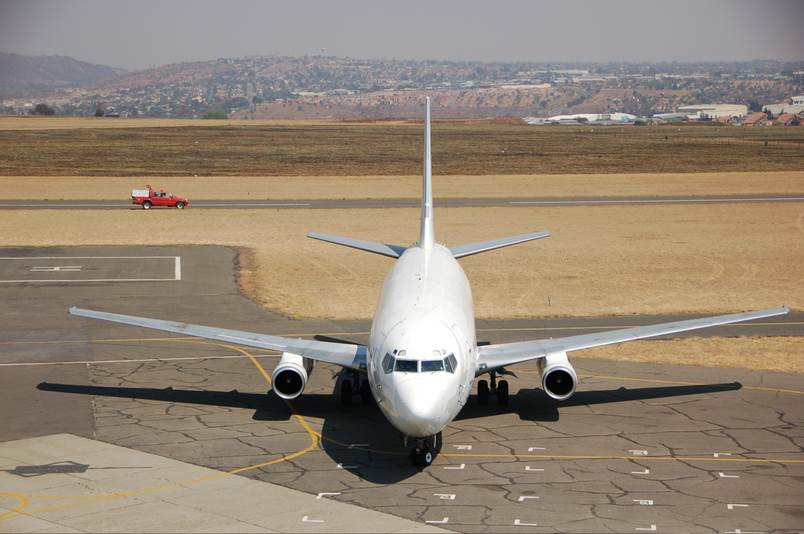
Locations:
column 485, row 246
column 392, row 251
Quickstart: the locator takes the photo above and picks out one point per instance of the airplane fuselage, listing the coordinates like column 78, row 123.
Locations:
column 422, row 347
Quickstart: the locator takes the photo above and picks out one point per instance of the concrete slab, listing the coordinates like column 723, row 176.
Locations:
column 164, row 495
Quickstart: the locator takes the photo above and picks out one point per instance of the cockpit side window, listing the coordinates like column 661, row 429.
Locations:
column 432, row 365
column 388, row 363
column 451, row 363
column 406, row 366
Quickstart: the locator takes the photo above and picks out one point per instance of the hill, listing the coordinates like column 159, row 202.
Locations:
column 21, row 74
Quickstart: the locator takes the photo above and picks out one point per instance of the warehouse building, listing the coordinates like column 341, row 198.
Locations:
column 714, row 111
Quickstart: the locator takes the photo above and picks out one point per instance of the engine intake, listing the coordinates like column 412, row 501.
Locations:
column 290, row 375
column 558, row 376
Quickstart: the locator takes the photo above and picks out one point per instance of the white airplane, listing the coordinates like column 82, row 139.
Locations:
column 422, row 355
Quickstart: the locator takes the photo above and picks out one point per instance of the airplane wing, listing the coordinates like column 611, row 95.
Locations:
column 492, row 357
column 345, row 355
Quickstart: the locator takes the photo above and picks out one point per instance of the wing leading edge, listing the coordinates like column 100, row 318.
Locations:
column 492, row 357
column 345, row 355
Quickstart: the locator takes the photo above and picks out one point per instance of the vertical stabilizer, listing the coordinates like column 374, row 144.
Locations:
column 427, row 234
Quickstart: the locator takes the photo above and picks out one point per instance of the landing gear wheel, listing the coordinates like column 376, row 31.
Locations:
column 180, row 205
column 502, row 392
column 422, row 457
column 482, row 392
column 146, row 205
column 365, row 393
column 346, row 392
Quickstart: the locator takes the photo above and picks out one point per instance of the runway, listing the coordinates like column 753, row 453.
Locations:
column 407, row 202
column 639, row 448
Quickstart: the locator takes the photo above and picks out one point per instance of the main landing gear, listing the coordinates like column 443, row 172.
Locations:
column 424, row 452
column 500, row 389
column 357, row 384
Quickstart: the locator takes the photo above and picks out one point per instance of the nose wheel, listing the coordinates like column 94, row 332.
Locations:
column 424, row 452
column 498, row 389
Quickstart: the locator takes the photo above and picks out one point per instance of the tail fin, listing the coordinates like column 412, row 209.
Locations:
column 427, row 233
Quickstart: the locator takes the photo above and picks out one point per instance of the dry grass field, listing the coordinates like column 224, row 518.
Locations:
column 298, row 187
column 394, row 149
column 600, row 260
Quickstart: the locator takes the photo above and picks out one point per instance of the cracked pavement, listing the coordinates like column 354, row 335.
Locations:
column 637, row 446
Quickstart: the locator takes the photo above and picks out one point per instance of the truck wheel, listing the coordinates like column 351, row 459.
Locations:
column 180, row 205
column 146, row 205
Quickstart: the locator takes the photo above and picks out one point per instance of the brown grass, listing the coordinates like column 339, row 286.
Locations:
column 782, row 354
column 382, row 149
column 599, row 261
column 300, row 187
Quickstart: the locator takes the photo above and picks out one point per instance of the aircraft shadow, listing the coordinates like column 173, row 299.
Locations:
column 358, row 437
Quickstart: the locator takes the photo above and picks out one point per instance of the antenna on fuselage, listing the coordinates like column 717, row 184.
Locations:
column 427, row 233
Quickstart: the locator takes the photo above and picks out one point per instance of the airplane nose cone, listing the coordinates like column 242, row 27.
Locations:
column 421, row 409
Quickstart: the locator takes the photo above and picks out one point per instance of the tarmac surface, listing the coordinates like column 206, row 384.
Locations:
column 363, row 203
column 639, row 448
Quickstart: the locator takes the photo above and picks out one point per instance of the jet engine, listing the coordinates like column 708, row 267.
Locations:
column 558, row 376
column 290, row 375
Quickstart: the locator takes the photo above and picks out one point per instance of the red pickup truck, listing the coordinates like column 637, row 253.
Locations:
column 148, row 198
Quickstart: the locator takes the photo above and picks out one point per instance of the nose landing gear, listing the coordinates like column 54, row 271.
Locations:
column 500, row 389
column 424, row 452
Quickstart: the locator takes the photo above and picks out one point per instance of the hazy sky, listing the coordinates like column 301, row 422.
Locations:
column 142, row 33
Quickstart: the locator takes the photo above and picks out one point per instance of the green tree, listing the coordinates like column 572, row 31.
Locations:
column 214, row 115
column 43, row 109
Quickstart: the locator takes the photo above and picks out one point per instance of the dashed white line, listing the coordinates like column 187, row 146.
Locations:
column 520, row 523
column 734, row 505
column 455, row 466
column 439, row 522
column 651, row 528
column 724, row 475
column 523, row 498
column 326, row 494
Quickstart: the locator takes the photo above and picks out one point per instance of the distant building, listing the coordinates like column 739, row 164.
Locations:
column 795, row 105
column 594, row 117
column 756, row 119
column 713, row 111
column 787, row 119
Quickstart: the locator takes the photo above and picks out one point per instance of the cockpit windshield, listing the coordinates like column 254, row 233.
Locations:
column 406, row 366
column 390, row 364
column 428, row 366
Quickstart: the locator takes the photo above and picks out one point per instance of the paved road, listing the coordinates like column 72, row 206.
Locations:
column 406, row 202
column 682, row 448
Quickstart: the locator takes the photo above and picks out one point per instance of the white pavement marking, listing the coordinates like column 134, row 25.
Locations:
column 519, row 523
column 531, row 449
column 326, row 494
column 644, row 502
column 529, row 468
column 636, row 452
column 738, row 531
column 353, row 445
column 645, row 472
column 439, row 522
column 136, row 360
column 176, row 259
column 522, row 498
column 445, row 496
column 658, row 200
column 724, row 475
column 733, row 506
column 719, row 454
column 57, row 268
column 455, row 466
column 306, row 519
column 341, row 466
column 652, row 528
column 463, row 447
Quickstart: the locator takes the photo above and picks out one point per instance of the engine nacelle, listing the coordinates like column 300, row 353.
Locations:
column 290, row 375
column 558, row 376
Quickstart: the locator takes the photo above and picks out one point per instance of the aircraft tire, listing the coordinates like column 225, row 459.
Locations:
column 346, row 392
column 422, row 457
column 482, row 392
column 502, row 393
